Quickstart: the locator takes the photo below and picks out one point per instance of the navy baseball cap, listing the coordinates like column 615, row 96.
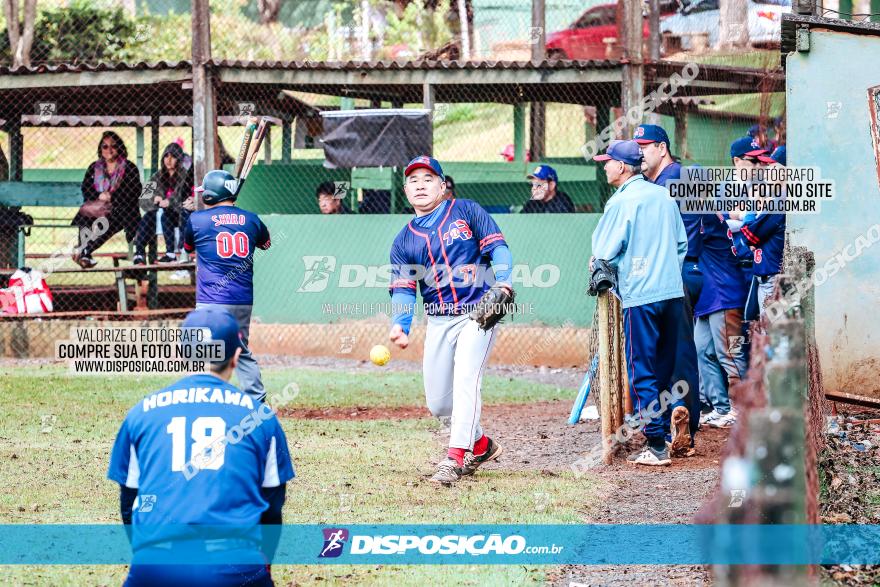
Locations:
column 646, row 134
column 424, row 162
column 746, row 147
column 755, row 129
column 626, row 151
column 778, row 156
column 543, row 172
column 222, row 324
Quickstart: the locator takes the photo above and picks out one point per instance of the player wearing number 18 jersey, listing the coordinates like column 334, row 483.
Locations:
column 225, row 238
column 202, row 470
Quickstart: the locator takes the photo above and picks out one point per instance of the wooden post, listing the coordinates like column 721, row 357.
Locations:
column 777, row 447
column 154, row 144
column 621, row 388
column 603, row 121
column 152, row 246
column 205, row 147
column 465, row 31
column 16, row 148
column 681, row 131
column 397, row 194
column 606, row 385
column 632, row 86
column 733, row 24
column 139, row 143
column 537, row 110
column 21, row 247
column 519, row 133
column 654, row 29
column 428, row 104
column 286, row 141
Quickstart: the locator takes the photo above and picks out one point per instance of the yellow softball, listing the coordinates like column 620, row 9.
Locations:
column 380, row 355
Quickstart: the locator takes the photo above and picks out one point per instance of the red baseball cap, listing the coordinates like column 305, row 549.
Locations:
column 424, row 162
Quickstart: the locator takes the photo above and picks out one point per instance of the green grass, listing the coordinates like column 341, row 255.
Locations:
column 317, row 388
column 479, row 132
column 344, row 473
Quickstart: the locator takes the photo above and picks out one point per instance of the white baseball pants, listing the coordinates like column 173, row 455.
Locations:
column 456, row 353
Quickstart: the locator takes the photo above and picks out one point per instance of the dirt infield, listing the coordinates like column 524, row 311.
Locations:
column 536, row 437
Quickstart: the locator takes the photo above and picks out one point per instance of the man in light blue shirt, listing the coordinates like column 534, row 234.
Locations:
column 642, row 236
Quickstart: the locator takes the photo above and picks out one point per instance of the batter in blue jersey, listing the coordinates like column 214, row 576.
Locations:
column 225, row 238
column 452, row 251
column 202, row 453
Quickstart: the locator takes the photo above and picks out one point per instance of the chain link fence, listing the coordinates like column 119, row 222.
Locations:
column 96, row 69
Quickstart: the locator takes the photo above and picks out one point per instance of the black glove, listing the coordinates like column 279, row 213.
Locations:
column 604, row 277
column 492, row 306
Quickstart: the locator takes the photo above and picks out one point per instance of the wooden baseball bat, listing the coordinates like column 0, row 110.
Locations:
column 257, row 142
column 245, row 146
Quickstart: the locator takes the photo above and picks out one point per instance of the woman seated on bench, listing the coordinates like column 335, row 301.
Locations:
column 167, row 190
column 111, row 188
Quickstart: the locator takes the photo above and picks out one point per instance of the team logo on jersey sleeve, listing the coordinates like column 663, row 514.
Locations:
column 457, row 229
column 334, row 540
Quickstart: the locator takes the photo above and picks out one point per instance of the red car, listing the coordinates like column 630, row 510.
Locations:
column 585, row 38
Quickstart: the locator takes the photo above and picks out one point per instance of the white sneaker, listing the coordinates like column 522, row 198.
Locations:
column 706, row 418
column 180, row 275
column 650, row 457
column 725, row 421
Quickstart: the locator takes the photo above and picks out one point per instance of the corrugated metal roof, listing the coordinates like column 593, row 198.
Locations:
column 311, row 65
column 419, row 64
column 94, row 67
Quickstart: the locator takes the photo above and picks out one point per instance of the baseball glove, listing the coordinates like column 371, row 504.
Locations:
column 492, row 306
column 604, row 277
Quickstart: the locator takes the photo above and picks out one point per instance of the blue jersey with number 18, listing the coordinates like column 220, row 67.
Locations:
column 198, row 452
column 225, row 239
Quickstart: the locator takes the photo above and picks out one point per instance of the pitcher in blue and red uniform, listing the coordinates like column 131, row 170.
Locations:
column 447, row 249
column 200, row 456
column 225, row 238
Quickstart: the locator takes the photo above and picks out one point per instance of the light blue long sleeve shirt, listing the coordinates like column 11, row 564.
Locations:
column 642, row 235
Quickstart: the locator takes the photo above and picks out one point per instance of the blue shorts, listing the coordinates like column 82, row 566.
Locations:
column 199, row 575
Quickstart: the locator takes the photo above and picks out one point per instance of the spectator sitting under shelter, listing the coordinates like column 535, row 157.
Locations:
column 111, row 188
column 167, row 189
column 450, row 189
column 329, row 201
column 546, row 195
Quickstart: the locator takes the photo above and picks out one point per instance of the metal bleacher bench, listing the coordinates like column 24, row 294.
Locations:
column 68, row 195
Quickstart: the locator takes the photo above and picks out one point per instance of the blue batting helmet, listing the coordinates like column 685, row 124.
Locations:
column 217, row 186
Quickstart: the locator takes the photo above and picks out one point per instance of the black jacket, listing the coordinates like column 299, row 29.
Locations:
column 560, row 203
column 125, row 198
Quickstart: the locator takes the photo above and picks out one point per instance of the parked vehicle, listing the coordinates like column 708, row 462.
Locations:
column 585, row 38
column 703, row 16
